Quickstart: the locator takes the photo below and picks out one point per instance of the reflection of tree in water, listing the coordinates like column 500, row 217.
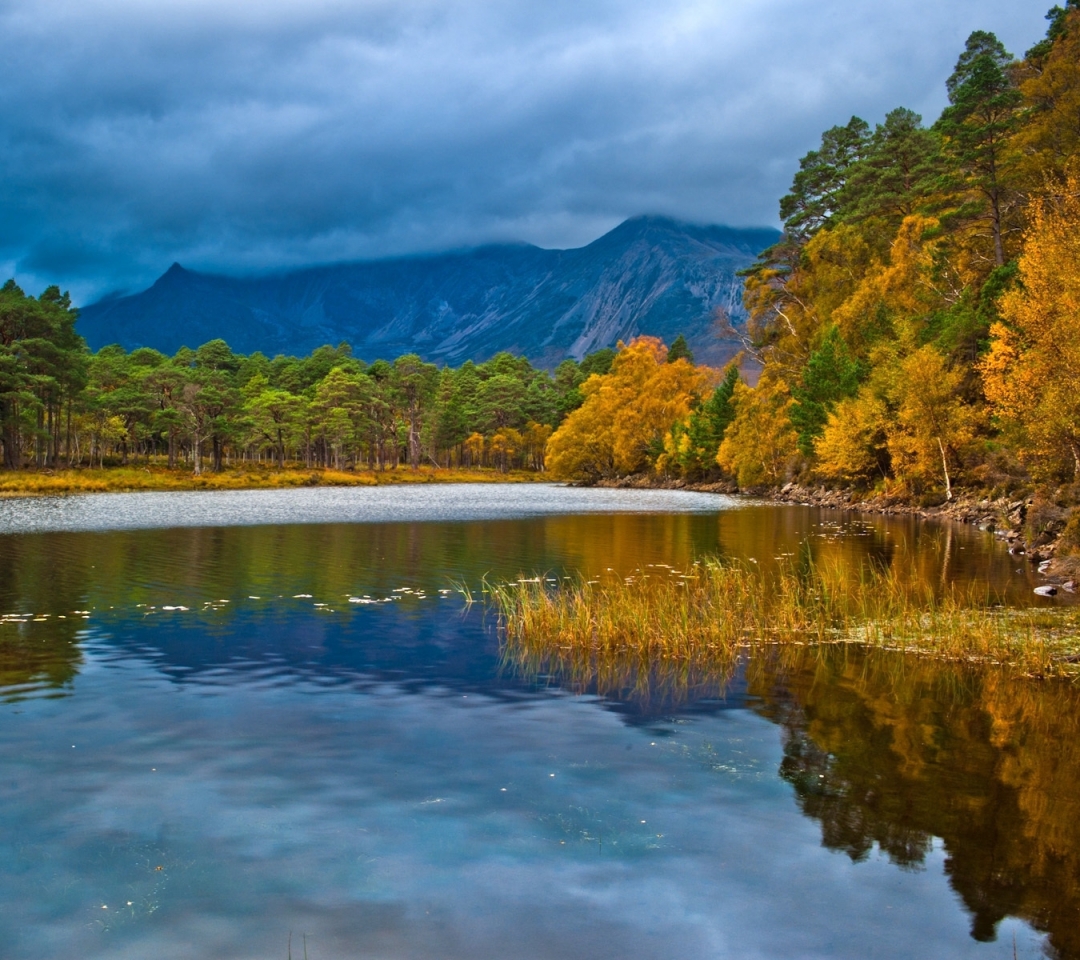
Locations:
column 37, row 655
column 890, row 753
column 45, row 656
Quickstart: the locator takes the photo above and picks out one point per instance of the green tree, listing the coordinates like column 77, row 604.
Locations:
column 897, row 175
column 274, row 415
column 818, row 187
column 500, row 402
column 976, row 127
column 42, row 369
column 680, row 350
column 415, row 383
column 694, row 443
column 599, row 362
column 830, row 375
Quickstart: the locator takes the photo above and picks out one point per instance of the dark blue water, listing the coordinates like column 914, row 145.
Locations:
column 207, row 744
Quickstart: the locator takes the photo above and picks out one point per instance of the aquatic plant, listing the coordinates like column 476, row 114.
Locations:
column 699, row 622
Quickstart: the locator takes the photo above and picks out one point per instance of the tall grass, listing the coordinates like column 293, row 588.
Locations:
column 701, row 621
column 21, row 483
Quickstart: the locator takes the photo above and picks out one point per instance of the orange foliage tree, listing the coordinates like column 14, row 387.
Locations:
column 1032, row 372
column 626, row 413
column 759, row 446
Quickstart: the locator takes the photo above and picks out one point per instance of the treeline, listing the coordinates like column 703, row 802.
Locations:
column 208, row 407
column 917, row 325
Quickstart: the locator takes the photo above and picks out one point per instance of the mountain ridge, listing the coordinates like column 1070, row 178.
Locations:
column 649, row 275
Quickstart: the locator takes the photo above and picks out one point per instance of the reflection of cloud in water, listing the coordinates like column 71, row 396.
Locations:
column 272, row 757
column 273, row 809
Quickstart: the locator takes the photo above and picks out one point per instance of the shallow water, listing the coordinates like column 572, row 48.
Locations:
column 216, row 733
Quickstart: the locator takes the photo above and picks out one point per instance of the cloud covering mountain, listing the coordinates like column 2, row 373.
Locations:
column 650, row 275
column 248, row 136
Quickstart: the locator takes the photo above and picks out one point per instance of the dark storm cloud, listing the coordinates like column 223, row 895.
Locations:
column 254, row 135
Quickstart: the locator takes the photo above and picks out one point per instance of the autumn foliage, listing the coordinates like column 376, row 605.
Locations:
column 915, row 327
column 1031, row 373
column 621, row 426
column 916, row 324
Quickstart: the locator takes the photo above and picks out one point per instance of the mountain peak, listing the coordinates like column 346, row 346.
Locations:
column 174, row 273
column 650, row 275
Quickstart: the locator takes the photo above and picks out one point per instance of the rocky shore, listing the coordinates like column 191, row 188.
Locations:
column 1013, row 520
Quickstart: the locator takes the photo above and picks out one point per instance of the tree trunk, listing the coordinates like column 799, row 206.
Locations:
column 945, row 467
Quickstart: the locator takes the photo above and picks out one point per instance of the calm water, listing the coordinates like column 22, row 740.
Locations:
column 216, row 730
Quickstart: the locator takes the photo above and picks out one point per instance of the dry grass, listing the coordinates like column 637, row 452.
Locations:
column 22, row 483
column 700, row 622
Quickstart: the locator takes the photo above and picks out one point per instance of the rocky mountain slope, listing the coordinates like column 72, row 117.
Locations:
column 650, row 275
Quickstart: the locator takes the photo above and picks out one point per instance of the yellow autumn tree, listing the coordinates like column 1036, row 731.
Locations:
column 504, row 447
column 1032, row 373
column 851, row 446
column 474, row 449
column 536, row 438
column 759, row 446
column 1051, row 90
column 931, row 424
column 897, row 291
column 789, row 308
column 626, row 413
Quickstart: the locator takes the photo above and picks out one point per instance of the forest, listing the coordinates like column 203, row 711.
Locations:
column 914, row 330
column 208, row 408
column 915, row 327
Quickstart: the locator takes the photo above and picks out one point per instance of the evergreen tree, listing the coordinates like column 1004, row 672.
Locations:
column 976, row 126
column 705, row 427
column 831, row 374
column 680, row 350
column 599, row 361
column 818, row 187
column 897, row 175
column 42, row 369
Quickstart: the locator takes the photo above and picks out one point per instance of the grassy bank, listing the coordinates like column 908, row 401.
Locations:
column 22, row 483
column 704, row 618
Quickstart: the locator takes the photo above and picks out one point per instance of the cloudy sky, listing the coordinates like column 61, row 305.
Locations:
column 249, row 135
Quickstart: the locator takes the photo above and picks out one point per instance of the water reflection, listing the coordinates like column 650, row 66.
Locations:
column 382, row 775
column 890, row 753
column 244, row 581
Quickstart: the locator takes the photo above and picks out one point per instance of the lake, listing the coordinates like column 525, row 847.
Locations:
column 229, row 719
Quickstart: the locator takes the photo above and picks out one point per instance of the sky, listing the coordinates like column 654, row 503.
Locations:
column 247, row 136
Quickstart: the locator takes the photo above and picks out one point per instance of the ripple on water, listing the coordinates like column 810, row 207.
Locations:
column 451, row 501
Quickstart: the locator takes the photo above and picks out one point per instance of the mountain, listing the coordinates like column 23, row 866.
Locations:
column 650, row 275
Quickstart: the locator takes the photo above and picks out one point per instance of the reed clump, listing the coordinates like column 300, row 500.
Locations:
column 713, row 613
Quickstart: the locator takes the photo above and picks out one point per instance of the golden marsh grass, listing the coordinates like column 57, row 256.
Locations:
column 22, row 483
column 698, row 623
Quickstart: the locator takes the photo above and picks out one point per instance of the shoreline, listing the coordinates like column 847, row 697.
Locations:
column 16, row 484
column 1003, row 517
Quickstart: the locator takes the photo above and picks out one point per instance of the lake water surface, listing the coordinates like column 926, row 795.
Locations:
column 226, row 718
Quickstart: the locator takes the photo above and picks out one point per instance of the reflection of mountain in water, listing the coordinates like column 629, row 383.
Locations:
column 894, row 754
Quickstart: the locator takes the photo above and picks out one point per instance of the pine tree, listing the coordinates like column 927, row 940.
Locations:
column 976, row 127
column 680, row 350
column 831, row 374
